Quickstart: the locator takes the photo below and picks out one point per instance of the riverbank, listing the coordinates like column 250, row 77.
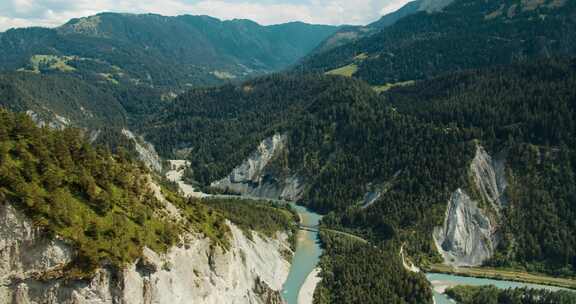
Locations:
column 306, row 294
column 303, row 277
column 503, row 274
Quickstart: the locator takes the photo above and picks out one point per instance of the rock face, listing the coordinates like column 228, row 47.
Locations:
column 146, row 151
column 469, row 234
column 252, row 178
column 176, row 173
column 54, row 121
column 466, row 237
column 250, row 271
column 489, row 177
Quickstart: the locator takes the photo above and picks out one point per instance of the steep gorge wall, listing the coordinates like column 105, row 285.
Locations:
column 252, row 178
column 469, row 234
column 252, row 270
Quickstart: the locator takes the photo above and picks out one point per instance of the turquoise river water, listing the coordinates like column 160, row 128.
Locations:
column 308, row 253
column 305, row 258
column 440, row 281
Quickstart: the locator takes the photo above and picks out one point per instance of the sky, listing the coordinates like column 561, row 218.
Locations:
column 51, row 13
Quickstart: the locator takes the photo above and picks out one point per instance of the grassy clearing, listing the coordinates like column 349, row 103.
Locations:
column 505, row 274
column 51, row 62
column 347, row 71
column 361, row 57
column 388, row 86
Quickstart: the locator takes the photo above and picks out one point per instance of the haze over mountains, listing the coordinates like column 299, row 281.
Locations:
column 442, row 135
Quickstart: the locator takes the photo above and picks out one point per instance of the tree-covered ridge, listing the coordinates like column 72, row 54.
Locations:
column 101, row 203
column 466, row 34
column 221, row 126
column 418, row 140
column 267, row 218
column 355, row 272
column 77, row 102
column 163, row 52
column 493, row 295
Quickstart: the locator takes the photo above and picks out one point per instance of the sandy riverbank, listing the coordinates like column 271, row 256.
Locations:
column 306, row 294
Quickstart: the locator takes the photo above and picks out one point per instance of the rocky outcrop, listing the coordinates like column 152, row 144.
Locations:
column 50, row 120
column 469, row 233
column 146, row 151
column 176, row 175
column 489, row 177
column 253, row 179
column 251, row 270
column 376, row 191
column 466, row 238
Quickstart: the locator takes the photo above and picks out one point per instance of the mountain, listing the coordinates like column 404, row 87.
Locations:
column 338, row 146
column 168, row 52
column 465, row 34
column 353, row 33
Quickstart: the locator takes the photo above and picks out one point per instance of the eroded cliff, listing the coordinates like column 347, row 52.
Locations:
column 251, row 270
column 252, row 177
column 469, row 234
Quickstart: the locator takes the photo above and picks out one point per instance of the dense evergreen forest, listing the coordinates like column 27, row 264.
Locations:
column 347, row 137
column 356, row 272
column 493, row 295
column 466, row 34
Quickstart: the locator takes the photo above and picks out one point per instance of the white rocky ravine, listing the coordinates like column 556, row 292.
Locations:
column 250, row 177
column 176, row 174
column 469, row 234
column 251, row 271
column 55, row 122
column 146, row 151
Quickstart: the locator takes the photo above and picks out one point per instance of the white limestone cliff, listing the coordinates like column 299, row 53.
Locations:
column 469, row 233
column 252, row 179
column 252, row 270
column 146, row 151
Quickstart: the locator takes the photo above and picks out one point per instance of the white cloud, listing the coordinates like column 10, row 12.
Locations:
column 19, row 13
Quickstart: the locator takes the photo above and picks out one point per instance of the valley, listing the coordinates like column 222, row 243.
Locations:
column 426, row 157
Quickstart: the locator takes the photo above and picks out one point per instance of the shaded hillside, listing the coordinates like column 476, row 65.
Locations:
column 466, row 34
column 62, row 100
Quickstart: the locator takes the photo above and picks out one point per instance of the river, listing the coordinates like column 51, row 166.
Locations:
column 306, row 257
column 441, row 281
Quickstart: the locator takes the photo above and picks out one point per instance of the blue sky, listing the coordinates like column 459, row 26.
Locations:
column 21, row 13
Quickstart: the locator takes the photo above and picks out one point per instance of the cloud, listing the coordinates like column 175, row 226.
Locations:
column 50, row 13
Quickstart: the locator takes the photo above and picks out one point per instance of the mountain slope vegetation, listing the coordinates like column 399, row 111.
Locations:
column 103, row 204
column 466, row 34
column 344, row 137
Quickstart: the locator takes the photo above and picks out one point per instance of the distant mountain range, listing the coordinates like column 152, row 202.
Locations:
column 160, row 51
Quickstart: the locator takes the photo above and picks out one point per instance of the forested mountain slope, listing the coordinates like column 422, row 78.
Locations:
column 81, row 225
column 345, row 140
column 61, row 100
column 169, row 52
column 466, row 34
